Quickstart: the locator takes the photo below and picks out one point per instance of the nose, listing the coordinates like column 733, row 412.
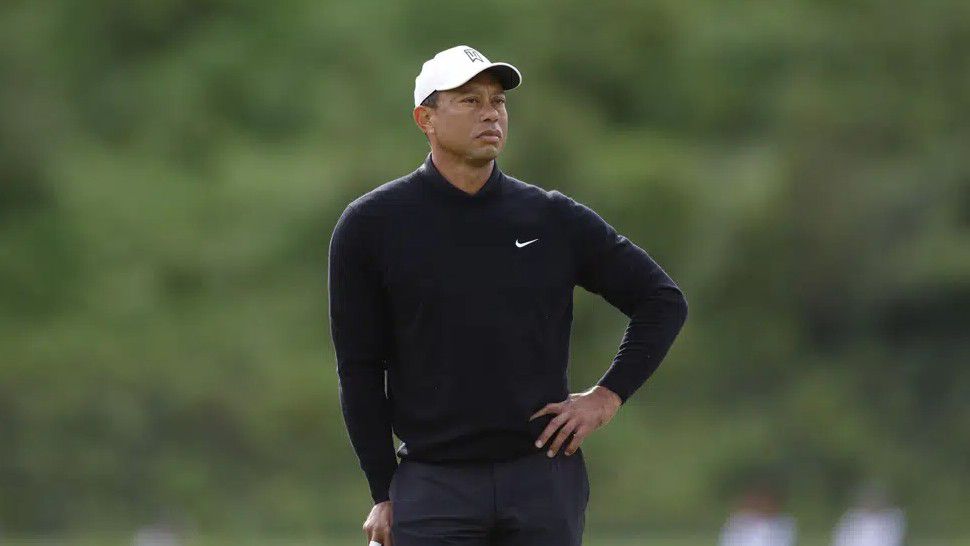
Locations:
column 490, row 112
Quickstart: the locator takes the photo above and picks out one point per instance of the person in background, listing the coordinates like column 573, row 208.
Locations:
column 758, row 521
column 156, row 535
column 167, row 530
column 872, row 521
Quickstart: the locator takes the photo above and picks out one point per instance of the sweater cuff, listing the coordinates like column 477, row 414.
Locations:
column 379, row 481
column 614, row 383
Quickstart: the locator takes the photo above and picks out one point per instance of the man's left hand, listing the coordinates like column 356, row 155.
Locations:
column 579, row 415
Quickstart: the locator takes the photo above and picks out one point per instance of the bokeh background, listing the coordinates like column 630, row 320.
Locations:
column 171, row 171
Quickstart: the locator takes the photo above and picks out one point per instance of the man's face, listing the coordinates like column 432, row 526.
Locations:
column 464, row 113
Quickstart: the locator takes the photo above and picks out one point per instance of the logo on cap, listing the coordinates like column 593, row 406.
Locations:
column 474, row 55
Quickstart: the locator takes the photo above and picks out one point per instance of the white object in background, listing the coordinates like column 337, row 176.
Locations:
column 863, row 527
column 753, row 529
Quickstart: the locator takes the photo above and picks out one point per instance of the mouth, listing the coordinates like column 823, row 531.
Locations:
column 490, row 135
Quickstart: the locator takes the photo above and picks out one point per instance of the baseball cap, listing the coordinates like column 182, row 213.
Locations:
column 453, row 67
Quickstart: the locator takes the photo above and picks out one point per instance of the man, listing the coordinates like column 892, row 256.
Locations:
column 759, row 519
column 457, row 281
column 873, row 521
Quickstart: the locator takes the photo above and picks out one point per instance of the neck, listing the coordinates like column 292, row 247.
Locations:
column 465, row 173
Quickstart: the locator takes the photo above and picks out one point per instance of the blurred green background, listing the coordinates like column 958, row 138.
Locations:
column 172, row 170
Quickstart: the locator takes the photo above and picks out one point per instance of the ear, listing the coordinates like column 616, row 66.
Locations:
column 422, row 118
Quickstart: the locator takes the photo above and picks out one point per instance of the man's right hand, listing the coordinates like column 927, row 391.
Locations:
column 378, row 524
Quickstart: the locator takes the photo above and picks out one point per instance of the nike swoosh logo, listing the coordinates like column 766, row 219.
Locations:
column 520, row 245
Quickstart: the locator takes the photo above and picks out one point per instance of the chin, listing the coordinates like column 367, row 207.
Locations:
column 485, row 152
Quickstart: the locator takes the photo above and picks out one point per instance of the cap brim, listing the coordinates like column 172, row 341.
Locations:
column 511, row 78
column 508, row 74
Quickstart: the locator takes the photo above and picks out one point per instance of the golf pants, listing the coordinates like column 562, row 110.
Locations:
column 533, row 500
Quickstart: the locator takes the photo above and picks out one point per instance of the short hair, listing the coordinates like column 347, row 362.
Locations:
column 431, row 101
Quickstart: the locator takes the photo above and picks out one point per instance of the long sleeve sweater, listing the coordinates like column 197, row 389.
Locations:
column 451, row 314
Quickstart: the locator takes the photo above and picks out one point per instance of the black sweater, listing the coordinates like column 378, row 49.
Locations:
column 465, row 300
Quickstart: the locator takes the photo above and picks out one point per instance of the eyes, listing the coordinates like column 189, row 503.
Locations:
column 474, row 100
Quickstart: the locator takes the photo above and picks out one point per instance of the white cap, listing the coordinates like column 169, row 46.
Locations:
column 453, row 67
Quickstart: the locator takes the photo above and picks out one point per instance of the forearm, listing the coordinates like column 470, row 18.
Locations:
column 367, row 414
column 654, row 324
column 359, row 328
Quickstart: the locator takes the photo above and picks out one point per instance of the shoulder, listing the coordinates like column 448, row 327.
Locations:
column 571, row 214
column 362, row 218
column 373, row 207
column 382, row 197
column 533, row 195
column 559, row 202
column 518, row 188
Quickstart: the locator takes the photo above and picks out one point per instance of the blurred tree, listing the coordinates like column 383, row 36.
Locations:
column 170, row 172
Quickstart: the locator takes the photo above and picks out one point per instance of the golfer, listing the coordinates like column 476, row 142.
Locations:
column 456, row 281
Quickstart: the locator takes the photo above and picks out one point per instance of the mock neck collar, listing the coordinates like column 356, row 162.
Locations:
column 433, row 178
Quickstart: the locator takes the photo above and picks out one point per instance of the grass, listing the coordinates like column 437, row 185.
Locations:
column 590, row 540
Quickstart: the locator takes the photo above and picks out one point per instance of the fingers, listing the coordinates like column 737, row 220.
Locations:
column 551, row 407
column 560, row 438
column 380, row 537
column 578, row 436
column 377, row 528
column 567, row 423
column 556, row 422
column 390, row 536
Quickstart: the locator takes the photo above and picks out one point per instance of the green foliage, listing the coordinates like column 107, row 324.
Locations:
column 170, row 172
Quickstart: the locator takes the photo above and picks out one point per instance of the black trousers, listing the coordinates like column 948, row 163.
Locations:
column 533, row 500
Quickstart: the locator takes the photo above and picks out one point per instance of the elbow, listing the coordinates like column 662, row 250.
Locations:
column 676, row 305
column 668, row 304
column 681, row 308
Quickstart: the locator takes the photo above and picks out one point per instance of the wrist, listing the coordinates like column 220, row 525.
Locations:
column 613, row 399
